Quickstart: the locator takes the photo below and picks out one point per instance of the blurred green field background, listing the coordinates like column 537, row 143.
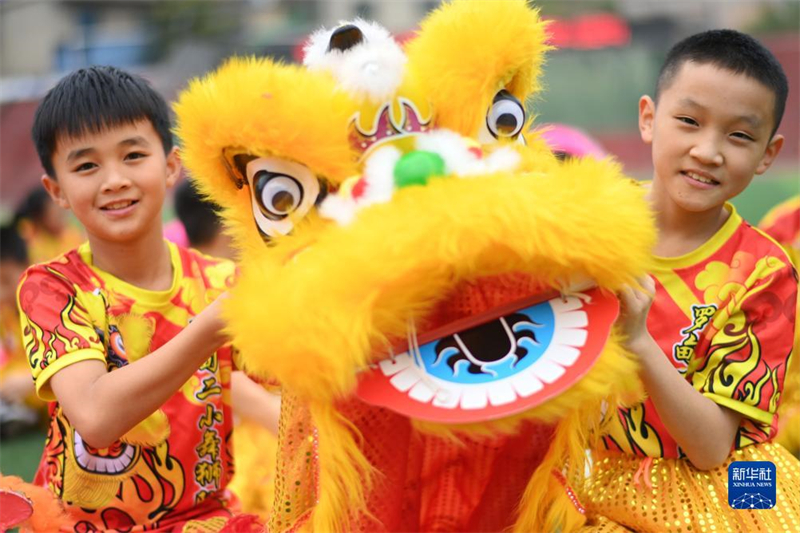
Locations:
column 765, row 192
column 19, row 456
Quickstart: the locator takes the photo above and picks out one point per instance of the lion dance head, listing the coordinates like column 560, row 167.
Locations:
column 405, row 244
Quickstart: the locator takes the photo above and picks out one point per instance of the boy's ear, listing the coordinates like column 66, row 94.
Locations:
column 54, row 190
column 647, row 113
column 772, row 151
column 173, row 167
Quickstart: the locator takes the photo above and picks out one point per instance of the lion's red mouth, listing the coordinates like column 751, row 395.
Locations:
column 488, row 353
column 482, row 301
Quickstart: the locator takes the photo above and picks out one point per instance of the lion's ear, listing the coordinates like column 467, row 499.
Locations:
column 262, row 109
column 466, row 52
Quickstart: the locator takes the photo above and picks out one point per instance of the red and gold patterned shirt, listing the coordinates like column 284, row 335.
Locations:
column 724, row 316
column 170, row 470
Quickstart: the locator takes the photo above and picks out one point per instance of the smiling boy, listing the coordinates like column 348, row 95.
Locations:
column 715, row 339
column 140, row 419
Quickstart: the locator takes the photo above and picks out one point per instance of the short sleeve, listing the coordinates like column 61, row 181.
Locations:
column 745, row 365
column 57, row 325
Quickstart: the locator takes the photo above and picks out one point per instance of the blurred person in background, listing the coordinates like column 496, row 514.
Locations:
column 256, row 411
column 782, row 223
column 44, row 227
column 19, row 406
column 201, row 224
column 568, row 141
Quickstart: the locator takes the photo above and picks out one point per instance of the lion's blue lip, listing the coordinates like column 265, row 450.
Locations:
column 555, row 343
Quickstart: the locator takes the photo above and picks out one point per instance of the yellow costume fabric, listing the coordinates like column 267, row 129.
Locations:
column 670, row 495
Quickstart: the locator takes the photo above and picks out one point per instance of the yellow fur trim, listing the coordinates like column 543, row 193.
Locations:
column 345, row 475
column 546, row 506
column 137, row 332
column 467, row 50
column 538, row 157
column 357, row 287
column 268, row 109
column 87, row 489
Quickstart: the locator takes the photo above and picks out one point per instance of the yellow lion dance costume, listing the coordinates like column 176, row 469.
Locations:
column 432, row 291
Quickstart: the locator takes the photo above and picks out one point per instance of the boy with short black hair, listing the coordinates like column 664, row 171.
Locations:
column 16, row 387
column 121, row 333
column 44, row 227
column 715, row 340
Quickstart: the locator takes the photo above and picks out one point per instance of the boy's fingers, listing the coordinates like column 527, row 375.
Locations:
column 647, row 283
column 627, row 297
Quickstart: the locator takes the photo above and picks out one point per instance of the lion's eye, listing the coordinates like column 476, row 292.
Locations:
column 278, row 195
column 506, row 116
column 282, row 193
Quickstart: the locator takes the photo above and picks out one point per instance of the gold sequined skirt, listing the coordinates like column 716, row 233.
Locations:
column 628, row 493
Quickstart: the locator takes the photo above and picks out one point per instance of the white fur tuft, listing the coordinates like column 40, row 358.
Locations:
column 379, row 173
column 339, row 208
column 459, row 160
column 504, row 158
column 379, row 179
column 372, row 69
column 378, row 176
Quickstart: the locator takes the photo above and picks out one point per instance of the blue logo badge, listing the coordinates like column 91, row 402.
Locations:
column 751, row 485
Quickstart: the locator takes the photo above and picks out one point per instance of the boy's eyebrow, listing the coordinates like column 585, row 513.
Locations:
column 132, row 141
column 80, row 152
column 691, row 103
column 752, row 120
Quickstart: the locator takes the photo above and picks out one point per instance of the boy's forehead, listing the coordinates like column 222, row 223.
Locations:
column 689, row 71
column 707, row 84
column 89, row 138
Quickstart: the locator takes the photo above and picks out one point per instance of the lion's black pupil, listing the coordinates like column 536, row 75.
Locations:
column 282, row 201
column 506, row 123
